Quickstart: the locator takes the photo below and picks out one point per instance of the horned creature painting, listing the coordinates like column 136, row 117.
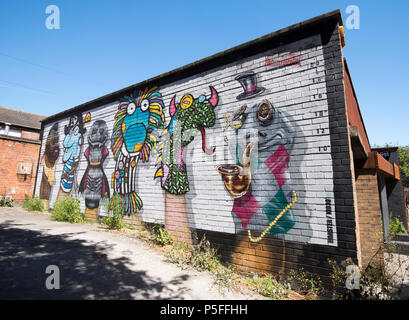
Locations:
column 189, row 116
column 138, row 116
column 94, row 184
column 192, row 115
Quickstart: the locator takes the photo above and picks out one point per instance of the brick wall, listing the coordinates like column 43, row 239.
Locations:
column 370, row 217
column 294, row 112
column 13, row 152
column 31, row 135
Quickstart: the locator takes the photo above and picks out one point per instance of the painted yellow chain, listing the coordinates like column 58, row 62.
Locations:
column 288, row 207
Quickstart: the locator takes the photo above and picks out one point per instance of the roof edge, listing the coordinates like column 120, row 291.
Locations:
column 356, row 98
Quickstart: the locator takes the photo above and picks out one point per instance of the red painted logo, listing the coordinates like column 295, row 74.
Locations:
column 285, row 60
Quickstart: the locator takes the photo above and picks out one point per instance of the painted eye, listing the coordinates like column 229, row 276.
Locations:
column 145, row 104
column 130, row 109
column 186, row 101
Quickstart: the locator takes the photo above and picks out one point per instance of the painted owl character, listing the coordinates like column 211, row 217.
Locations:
column 138, row 116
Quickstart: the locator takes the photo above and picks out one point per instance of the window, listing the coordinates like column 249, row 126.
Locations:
column 9, row 131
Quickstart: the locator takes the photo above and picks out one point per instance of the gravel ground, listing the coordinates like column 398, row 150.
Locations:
column 93, row 264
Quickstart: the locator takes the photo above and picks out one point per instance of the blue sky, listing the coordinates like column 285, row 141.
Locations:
column 103, row 46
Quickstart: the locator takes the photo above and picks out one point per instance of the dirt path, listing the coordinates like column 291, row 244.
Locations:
column 93, row 264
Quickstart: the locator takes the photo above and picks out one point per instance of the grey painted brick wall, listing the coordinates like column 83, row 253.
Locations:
column 309, row 102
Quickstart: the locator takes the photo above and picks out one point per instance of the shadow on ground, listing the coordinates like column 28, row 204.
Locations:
column 86, row 272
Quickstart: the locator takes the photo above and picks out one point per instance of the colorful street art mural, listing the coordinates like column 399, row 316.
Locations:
column 138, row 116
column 94, row 183
column 261, row 167
column 187, row 117
column 48, row 162
column 74, row 139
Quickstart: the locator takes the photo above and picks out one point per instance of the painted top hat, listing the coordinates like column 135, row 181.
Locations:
column 249, row 83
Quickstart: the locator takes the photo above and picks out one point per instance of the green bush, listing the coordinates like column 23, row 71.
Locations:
column 159, row 235
column 34, row 204
column 115, row 210
column 396, row 226
column 68, row 210
column 6, row 201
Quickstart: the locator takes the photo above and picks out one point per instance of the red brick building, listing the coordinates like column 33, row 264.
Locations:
column 19, row 145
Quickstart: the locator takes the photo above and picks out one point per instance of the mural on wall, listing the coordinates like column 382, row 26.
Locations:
column 94, row 183
column 138, row 116
column 246, row 180
column 48, row 161
column 276, row 186
column 187, row 117
column 74, row 139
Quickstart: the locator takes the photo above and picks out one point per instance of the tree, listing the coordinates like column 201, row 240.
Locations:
column 404, row 165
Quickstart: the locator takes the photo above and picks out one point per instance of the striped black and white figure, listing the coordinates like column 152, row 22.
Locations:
column 125, row 184
column 94, row 183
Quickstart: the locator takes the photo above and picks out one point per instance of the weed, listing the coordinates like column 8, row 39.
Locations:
column 6, row 201
column 224, row 276
column 68, row 210
column 306, row 283
column 376, row 281
column 115, row 210
column 268, row 286
column 200, row 256
column 34, row 204
column 179, row 254
column 204, row 257
column 159, row 235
